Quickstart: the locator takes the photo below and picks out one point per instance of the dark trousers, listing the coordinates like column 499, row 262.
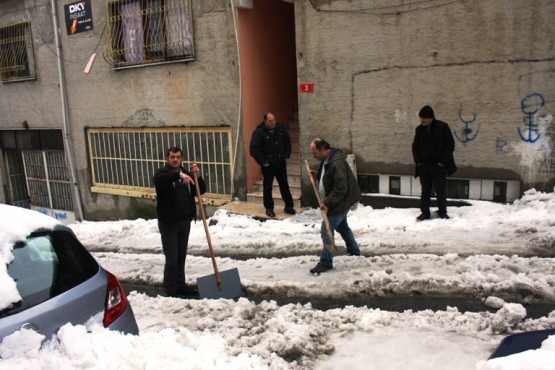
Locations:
column 433, row 175
column 175, row 239
column 279, row 172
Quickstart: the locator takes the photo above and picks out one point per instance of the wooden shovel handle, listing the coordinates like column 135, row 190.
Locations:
column 317, row 193
column 201, row 207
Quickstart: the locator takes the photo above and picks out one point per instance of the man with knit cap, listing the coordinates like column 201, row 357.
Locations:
column 432, row 150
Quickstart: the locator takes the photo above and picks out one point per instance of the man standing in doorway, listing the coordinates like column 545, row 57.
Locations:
column 175, row 206
column 339, row 191
column 432, row 149
column 271, row 147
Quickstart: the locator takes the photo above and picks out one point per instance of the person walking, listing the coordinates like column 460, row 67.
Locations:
column 270, row 147
column 339, row 191
column 432, row 149
column 175, row 207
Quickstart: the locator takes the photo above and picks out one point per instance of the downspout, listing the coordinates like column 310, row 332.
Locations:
column 63, row 93
column 239, row 103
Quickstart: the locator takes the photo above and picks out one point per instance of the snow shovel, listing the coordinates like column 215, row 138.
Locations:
column 212, row 286
column 332, row 248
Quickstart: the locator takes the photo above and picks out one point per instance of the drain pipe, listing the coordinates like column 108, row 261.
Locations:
column 63, row 93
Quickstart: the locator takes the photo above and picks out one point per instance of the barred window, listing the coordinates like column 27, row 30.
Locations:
column 17, row 61
column 123, row 161
column 48, row 179
column 149, row 31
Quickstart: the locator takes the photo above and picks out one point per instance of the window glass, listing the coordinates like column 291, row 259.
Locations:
column 48, row 264
column 149, row 31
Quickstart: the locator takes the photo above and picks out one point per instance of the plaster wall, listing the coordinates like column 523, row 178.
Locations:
column 204, row 92
column 486, row 67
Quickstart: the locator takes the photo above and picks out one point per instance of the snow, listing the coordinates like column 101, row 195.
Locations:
column 500, row 253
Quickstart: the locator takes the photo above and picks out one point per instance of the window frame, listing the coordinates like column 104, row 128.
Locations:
column 172, row 41
column 123, row 161
column 17, row 39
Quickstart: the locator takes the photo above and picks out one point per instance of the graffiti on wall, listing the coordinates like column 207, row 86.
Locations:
column 467, row 135
column 535, row 146
column 530, row 106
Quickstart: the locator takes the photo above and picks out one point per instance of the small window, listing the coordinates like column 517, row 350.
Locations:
column 458, row 189
column 149, row 31
column 17, row 61
column 500, row 191
column 395, row 185
column 369, row 183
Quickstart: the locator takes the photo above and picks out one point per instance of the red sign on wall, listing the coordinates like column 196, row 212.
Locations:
column 306, row 87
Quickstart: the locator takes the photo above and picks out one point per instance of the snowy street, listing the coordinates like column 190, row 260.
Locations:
column 500, row 255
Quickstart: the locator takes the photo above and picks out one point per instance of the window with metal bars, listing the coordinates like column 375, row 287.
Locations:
column 149, row 31
column 17, row 61
column 123, row 161
column 39, row 178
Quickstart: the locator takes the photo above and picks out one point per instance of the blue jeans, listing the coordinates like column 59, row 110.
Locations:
column 175, row 239
column 338, row 222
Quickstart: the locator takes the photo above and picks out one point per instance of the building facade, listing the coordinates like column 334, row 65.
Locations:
column 94, row 92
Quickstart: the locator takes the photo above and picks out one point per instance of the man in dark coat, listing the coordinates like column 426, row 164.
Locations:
column 175, row 196
column 270, row 147
column 432, row 149
column 339, row 191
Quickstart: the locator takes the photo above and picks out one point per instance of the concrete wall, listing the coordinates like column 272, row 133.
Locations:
column 204, row 92
column 485, row 66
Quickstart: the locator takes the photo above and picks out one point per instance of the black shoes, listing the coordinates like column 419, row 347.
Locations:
column 319, row 268
column 270, row 213
column 426, row 216
column 289, row 210
column 423, row 216
column 187, row 290
column 184, row 292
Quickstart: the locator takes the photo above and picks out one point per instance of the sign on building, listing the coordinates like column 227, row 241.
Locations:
column 78, row 17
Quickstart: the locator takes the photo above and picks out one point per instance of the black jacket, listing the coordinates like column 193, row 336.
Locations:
column 266, row 146
column 434, row 144
column 340, row 184
column 175, row 201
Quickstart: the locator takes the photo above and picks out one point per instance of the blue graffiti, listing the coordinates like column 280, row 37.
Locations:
column 467, row 131
column 60, row 216
column 530, row 105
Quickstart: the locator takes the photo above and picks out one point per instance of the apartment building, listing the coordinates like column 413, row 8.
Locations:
column 94, row 92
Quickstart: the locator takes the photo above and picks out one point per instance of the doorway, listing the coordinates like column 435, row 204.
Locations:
column 268, row 69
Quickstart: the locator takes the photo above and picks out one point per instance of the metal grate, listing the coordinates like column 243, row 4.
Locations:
column 123, row 161
column 48, row 180
column 149, row 31
column 16, row 53
column 16, row 176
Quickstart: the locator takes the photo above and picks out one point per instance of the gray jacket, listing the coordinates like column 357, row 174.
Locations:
column 340, row 184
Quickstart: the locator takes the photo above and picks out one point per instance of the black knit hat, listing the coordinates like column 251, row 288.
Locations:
column 426, row 112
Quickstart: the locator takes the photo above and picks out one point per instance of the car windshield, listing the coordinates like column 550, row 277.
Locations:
column 47, row 264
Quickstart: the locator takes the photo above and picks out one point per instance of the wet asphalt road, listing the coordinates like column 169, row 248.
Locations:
column 390, row 303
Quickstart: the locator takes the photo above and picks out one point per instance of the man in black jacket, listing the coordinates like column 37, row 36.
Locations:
column 432, row 150
column 175, row 195
column 270, row 147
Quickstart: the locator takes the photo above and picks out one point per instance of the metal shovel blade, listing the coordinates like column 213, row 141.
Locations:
column 231, row 285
